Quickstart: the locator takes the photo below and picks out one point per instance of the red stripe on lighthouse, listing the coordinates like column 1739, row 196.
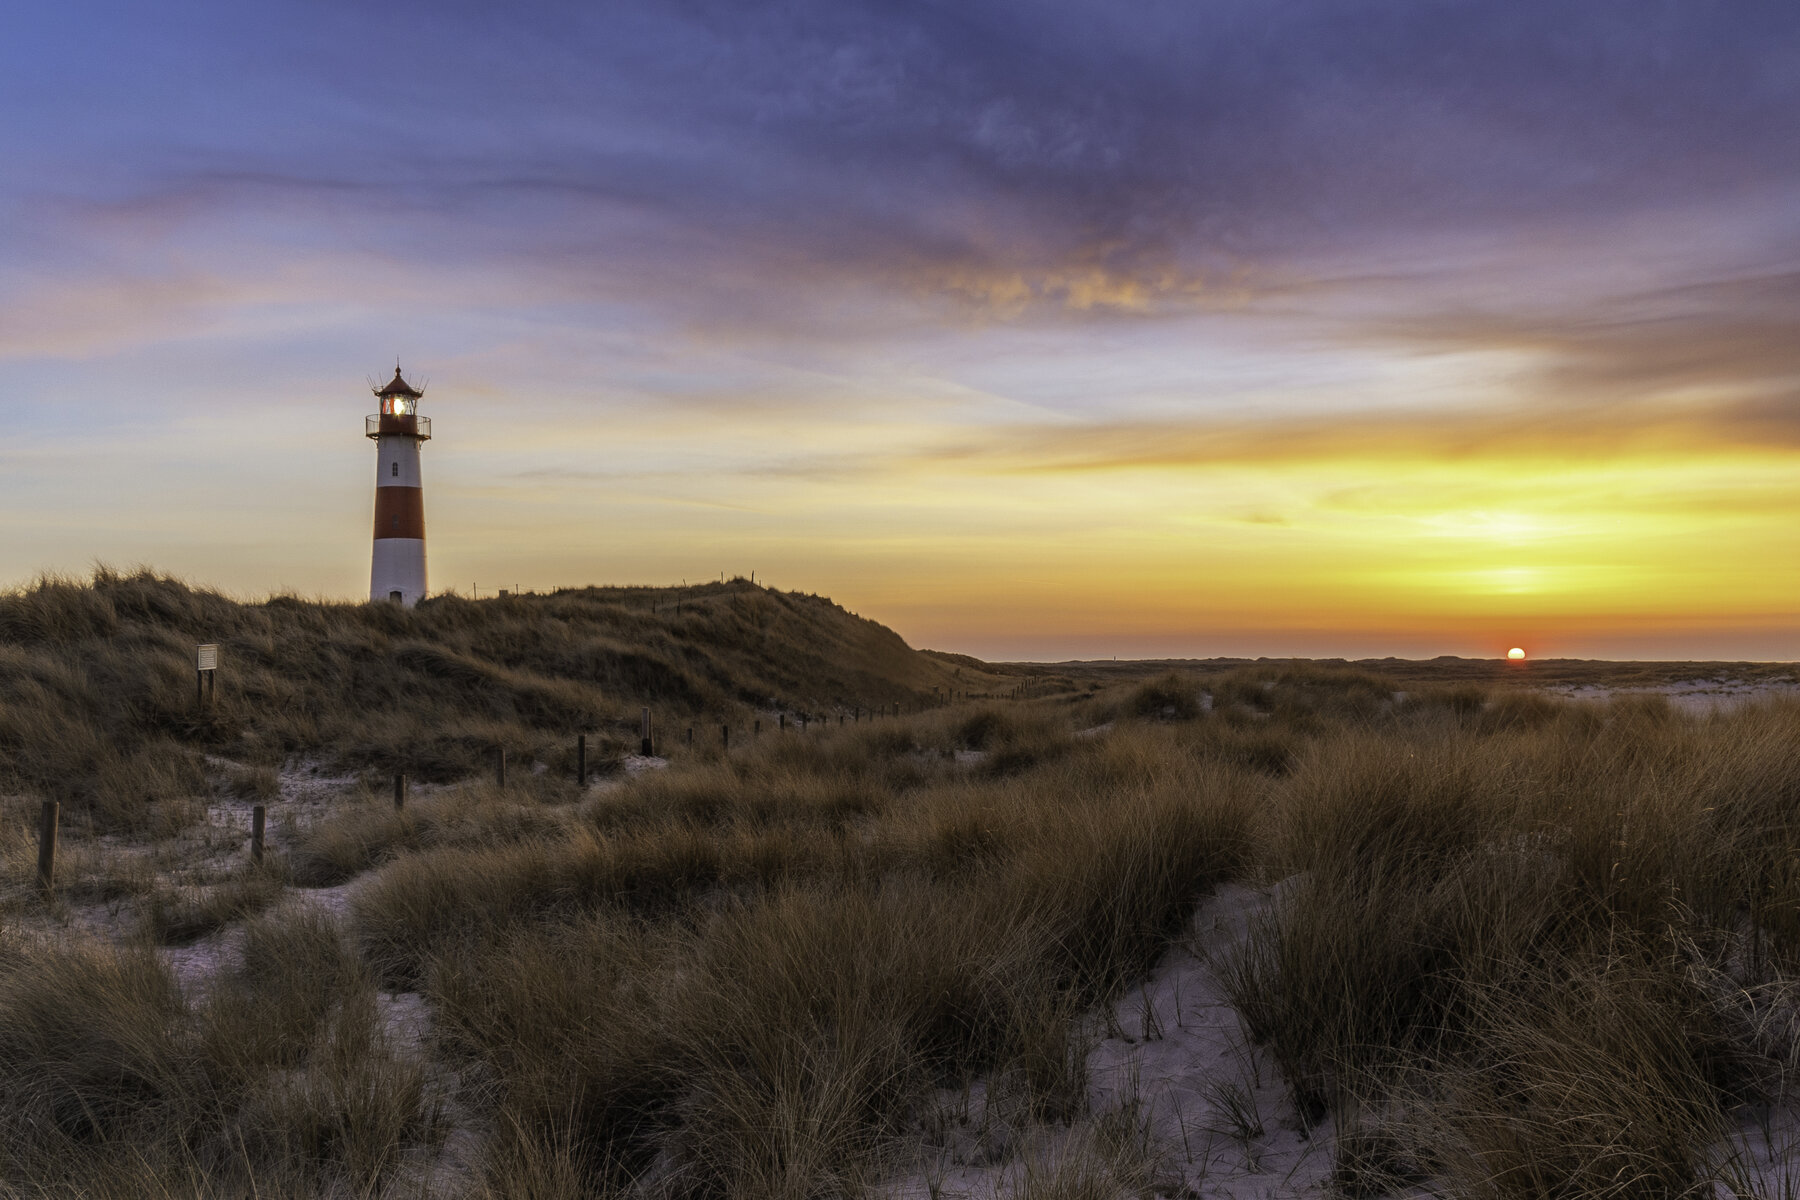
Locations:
column 399, row 512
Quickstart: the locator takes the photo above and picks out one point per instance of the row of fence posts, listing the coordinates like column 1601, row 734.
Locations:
column 855, row 716
column 944, row 699
column 49, row 813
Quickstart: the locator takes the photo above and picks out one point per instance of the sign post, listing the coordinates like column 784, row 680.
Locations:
column 206, row 665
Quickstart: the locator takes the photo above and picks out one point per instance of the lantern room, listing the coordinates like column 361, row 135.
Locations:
column 399, row 413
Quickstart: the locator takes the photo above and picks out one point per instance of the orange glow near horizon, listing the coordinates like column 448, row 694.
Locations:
column 1008, row 546
column 1004, row 547
column 977, row 550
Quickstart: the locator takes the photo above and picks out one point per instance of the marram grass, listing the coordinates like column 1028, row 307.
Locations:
column 1518, row 948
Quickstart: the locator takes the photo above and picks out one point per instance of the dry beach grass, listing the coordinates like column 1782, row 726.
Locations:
column 1510, row 946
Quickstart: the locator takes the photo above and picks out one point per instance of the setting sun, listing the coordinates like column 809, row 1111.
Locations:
column 1516, row 654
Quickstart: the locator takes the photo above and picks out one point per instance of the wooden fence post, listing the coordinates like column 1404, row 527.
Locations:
column 500, row 767
column 648, row 748
column 725, row 736
column 399, row 790
column 47, row 820
column 257, row 817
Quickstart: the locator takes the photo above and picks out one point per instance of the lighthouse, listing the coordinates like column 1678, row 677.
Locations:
column 398, row 573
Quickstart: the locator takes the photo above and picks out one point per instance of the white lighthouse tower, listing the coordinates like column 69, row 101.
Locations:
column 398, row 573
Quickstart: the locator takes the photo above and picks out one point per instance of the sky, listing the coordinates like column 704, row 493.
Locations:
column 1033, row 330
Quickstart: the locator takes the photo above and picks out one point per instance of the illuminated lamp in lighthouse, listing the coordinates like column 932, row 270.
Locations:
column 398, row 573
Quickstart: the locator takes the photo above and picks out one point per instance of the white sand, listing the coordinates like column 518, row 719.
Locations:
column 1203, row 1089
column 1697, row 696
column 1208, row 1114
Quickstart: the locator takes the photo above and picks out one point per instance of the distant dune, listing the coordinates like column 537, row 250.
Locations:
column 97, row 699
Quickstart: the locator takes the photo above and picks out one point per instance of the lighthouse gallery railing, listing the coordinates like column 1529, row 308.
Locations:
column 414, row 426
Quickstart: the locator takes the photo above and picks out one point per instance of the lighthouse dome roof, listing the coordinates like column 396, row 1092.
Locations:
column 399, row 387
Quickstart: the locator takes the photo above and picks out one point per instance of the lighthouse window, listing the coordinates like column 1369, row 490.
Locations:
column 395, row 472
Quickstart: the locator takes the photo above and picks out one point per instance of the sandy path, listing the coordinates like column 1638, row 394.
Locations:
column 1215, row 1106
column 1203, row 1112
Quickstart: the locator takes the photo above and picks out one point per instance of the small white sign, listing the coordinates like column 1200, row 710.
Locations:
column 206, row 658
